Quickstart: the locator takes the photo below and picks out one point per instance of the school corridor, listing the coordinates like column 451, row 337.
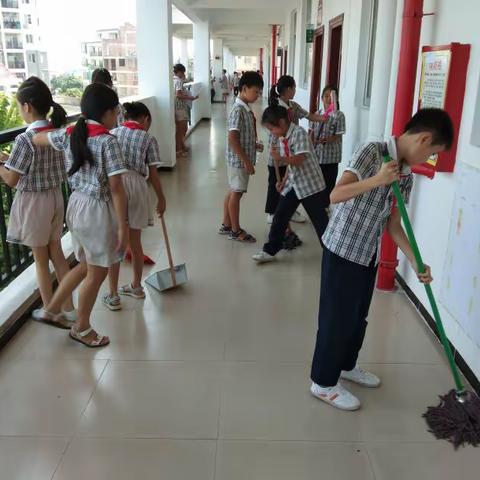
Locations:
column 211, row 381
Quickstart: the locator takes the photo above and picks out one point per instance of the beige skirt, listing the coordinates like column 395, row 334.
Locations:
column 138, row 202
column 36, row 218
column 94, row 230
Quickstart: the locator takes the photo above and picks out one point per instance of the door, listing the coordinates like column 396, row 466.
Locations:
column 335, row 51
column 285, row 61
column 316, row 69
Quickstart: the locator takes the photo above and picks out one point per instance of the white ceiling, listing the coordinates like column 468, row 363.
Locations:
column 244, row 25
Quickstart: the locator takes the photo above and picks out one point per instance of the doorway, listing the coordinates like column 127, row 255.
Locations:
column 285, row 61
column 335, row 51
column 316, row 69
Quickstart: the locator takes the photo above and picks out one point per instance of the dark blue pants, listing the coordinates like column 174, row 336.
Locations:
column 345, row 295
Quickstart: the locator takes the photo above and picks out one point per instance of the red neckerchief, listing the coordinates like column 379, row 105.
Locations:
column 43, row 129
column 285, row 146
column 93, row 130
column 133, row 125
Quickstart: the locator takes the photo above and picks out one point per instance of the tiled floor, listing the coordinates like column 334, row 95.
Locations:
column 211, row 381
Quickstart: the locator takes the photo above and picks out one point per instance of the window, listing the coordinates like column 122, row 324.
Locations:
column 367, row 94
column 307, row 66
column 26, row 1
column 293, row 41
column 121, row 62
column 32, row 58
column 29, row 38
column 28, row 19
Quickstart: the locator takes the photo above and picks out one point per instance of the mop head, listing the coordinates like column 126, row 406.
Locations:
column 456, row 419
column 291, row 241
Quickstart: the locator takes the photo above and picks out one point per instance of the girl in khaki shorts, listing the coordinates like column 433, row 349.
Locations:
column 142, row 157
column 37, row 173
column 97, row 209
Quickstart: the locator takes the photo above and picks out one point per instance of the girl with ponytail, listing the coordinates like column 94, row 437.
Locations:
column 142, row 158
column 282, row 94
column 96, row 213
column 37, row 173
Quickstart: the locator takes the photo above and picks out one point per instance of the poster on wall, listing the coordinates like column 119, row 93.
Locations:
column 433, row 82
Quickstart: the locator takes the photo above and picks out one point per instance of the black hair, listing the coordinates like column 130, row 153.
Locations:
column 250, row 79
column 224, row 71
column 97, row 99
column 331, row 88
column 284, row 82
column 179, row 68
column 136, row 110
column 36, row 92
column 102, row 75
column 433, row 120
column 273, row 114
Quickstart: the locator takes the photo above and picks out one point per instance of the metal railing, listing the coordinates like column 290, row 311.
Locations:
column 14, row 258
column 12, row 24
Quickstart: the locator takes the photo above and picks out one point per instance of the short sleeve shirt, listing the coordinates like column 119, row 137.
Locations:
column 180, row 104
column 40, row 168
column 335, row 125
column 242, row 120
column 140, row 149
column 357, row 225
column 298, row 112
column 108, row 161
column 306, row 179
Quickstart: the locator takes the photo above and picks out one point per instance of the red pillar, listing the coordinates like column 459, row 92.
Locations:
column 407, row 73
column 274, row 55
column 261, row 61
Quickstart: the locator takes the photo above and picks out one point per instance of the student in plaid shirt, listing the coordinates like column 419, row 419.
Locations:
column 241, row 154
column 282, row 94
column 364, row 201
column 142, row 157
column 327, row 138
column 36, row 216
column 303, row 182
column 97, row 209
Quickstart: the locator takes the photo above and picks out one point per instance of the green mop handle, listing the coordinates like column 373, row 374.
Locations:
column 421, row 269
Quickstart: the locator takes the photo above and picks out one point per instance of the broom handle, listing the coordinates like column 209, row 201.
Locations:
column 169, row 252
column 421, row 268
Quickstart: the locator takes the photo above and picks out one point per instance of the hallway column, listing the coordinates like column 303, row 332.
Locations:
column 154, row 53
column 184, row 53
column 381, row 69
column 201, row 65
column 217, row 66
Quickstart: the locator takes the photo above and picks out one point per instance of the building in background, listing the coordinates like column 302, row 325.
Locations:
column 21, row 52
column 116, row 50
column 246, row 63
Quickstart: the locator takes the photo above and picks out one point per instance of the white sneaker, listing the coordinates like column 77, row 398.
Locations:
column 297, row 217
column 337, row 396
column 263, row 257
column 362, row 377
column 269, row 218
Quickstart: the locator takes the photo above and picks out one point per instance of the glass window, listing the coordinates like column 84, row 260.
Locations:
column 121, row 62
column 307, row 71
column 367, row 94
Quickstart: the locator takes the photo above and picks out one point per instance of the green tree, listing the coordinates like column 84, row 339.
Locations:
column 9, row 114
column 63, row 83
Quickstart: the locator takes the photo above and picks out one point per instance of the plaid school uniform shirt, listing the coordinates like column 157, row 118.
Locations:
column 356, row 227
column 41, row 168
column 242, row 120
column 140, row 149
column 178, row 87
column 296, row 112
column 306, row 179
column 108, row 161
column 335, row 125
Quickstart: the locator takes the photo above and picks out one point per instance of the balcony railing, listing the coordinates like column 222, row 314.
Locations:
column 12, row 24
column 16, row 65
column 14, row 45
column 10, row 3
column 14, row 259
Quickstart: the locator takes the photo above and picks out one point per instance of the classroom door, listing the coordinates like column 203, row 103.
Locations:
column 315, row 87
column 335, row 51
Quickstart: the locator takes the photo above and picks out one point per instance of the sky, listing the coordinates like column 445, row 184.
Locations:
column 66, row 23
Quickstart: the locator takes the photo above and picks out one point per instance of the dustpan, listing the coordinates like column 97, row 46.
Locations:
column 172, row 277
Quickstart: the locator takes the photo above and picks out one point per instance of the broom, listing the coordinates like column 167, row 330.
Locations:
column 457, row 417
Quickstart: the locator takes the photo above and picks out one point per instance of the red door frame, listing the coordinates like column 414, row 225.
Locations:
column 318, row 41
column 334, row 23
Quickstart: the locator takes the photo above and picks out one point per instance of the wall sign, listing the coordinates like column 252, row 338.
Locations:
column 433, row 82
column 309, row 33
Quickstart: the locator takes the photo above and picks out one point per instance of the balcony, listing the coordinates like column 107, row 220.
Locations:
column 16, row 64
column 14, row 45
column 12, row 24
column 9, row 3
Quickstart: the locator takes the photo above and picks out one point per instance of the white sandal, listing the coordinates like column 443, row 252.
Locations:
column 79, row 337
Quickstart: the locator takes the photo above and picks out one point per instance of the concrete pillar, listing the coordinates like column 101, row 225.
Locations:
column 217, row 66
column 381, row 69
column 201, row 65
column 154, row 53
